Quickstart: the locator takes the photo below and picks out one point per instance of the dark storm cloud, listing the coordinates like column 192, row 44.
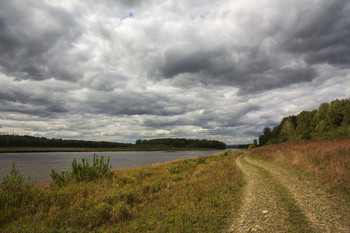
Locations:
column 322, row 34
column 255, row 72
column 317, row 34
column 205, row 119
column 180, row 60
column 135, row 103
column 27, row 43
column 31, row 102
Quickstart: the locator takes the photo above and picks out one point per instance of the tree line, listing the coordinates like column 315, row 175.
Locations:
column 181, row 143
column 31, row 141
column 329, row 117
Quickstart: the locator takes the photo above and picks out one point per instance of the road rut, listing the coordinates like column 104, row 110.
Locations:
column 276, row 199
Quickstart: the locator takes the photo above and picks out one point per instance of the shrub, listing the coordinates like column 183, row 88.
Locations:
column 14, row 194
column 83, row 171
column 251, row 146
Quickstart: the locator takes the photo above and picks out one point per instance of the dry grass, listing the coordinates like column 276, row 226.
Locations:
column 194, row 195
column 326, row 160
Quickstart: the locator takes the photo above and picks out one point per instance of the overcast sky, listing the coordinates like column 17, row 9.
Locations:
column 128, row 69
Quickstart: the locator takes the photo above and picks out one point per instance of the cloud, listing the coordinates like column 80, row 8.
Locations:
column 134, row 103
column 321, row 34
column 31, row 33
column 122, row 70
column 255, row 71
column 253, row 61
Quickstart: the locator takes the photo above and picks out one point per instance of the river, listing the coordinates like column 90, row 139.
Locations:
column 38, row 165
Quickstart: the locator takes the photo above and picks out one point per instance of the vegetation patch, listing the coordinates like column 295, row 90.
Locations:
column 195, row 195
column 326, row 160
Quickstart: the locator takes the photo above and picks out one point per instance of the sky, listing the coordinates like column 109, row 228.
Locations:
column 129, row 69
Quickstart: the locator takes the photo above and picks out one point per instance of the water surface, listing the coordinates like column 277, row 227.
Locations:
column 38, row 165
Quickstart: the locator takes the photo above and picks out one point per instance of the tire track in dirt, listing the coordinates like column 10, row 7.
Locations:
column 267, row 206
column 326, row 212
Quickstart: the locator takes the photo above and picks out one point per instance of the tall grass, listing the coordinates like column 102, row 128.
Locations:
column 196, row 195
column 326, row 160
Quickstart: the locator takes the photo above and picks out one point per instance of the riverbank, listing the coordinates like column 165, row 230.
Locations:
column 38, row 165
column 194, row 195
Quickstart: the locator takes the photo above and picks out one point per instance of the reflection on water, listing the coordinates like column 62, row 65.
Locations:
column 38, row 165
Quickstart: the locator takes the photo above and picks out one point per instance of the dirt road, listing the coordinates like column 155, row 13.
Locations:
column 276, row 199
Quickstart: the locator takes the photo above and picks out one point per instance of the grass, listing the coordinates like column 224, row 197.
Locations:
column 326, row 160
column 193, row 195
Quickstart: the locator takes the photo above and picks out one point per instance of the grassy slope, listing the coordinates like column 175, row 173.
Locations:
column 326, row 160
column 195, row 195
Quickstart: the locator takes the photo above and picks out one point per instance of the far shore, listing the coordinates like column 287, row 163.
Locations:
column 67, row 149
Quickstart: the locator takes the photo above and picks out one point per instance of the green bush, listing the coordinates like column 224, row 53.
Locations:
column 83, row 171
column 14, row 194
column 251, row 146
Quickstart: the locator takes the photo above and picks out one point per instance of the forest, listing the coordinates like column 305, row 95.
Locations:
column 31, row 141
column 181, row 143
column 329, row 120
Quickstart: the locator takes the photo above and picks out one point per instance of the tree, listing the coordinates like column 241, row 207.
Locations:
column 138, row 142
column 288, row 126
column 320, row 120
column 304, row 126
column 327, row 117
column 263, row 139
column 346, row 119
column 335, row 112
